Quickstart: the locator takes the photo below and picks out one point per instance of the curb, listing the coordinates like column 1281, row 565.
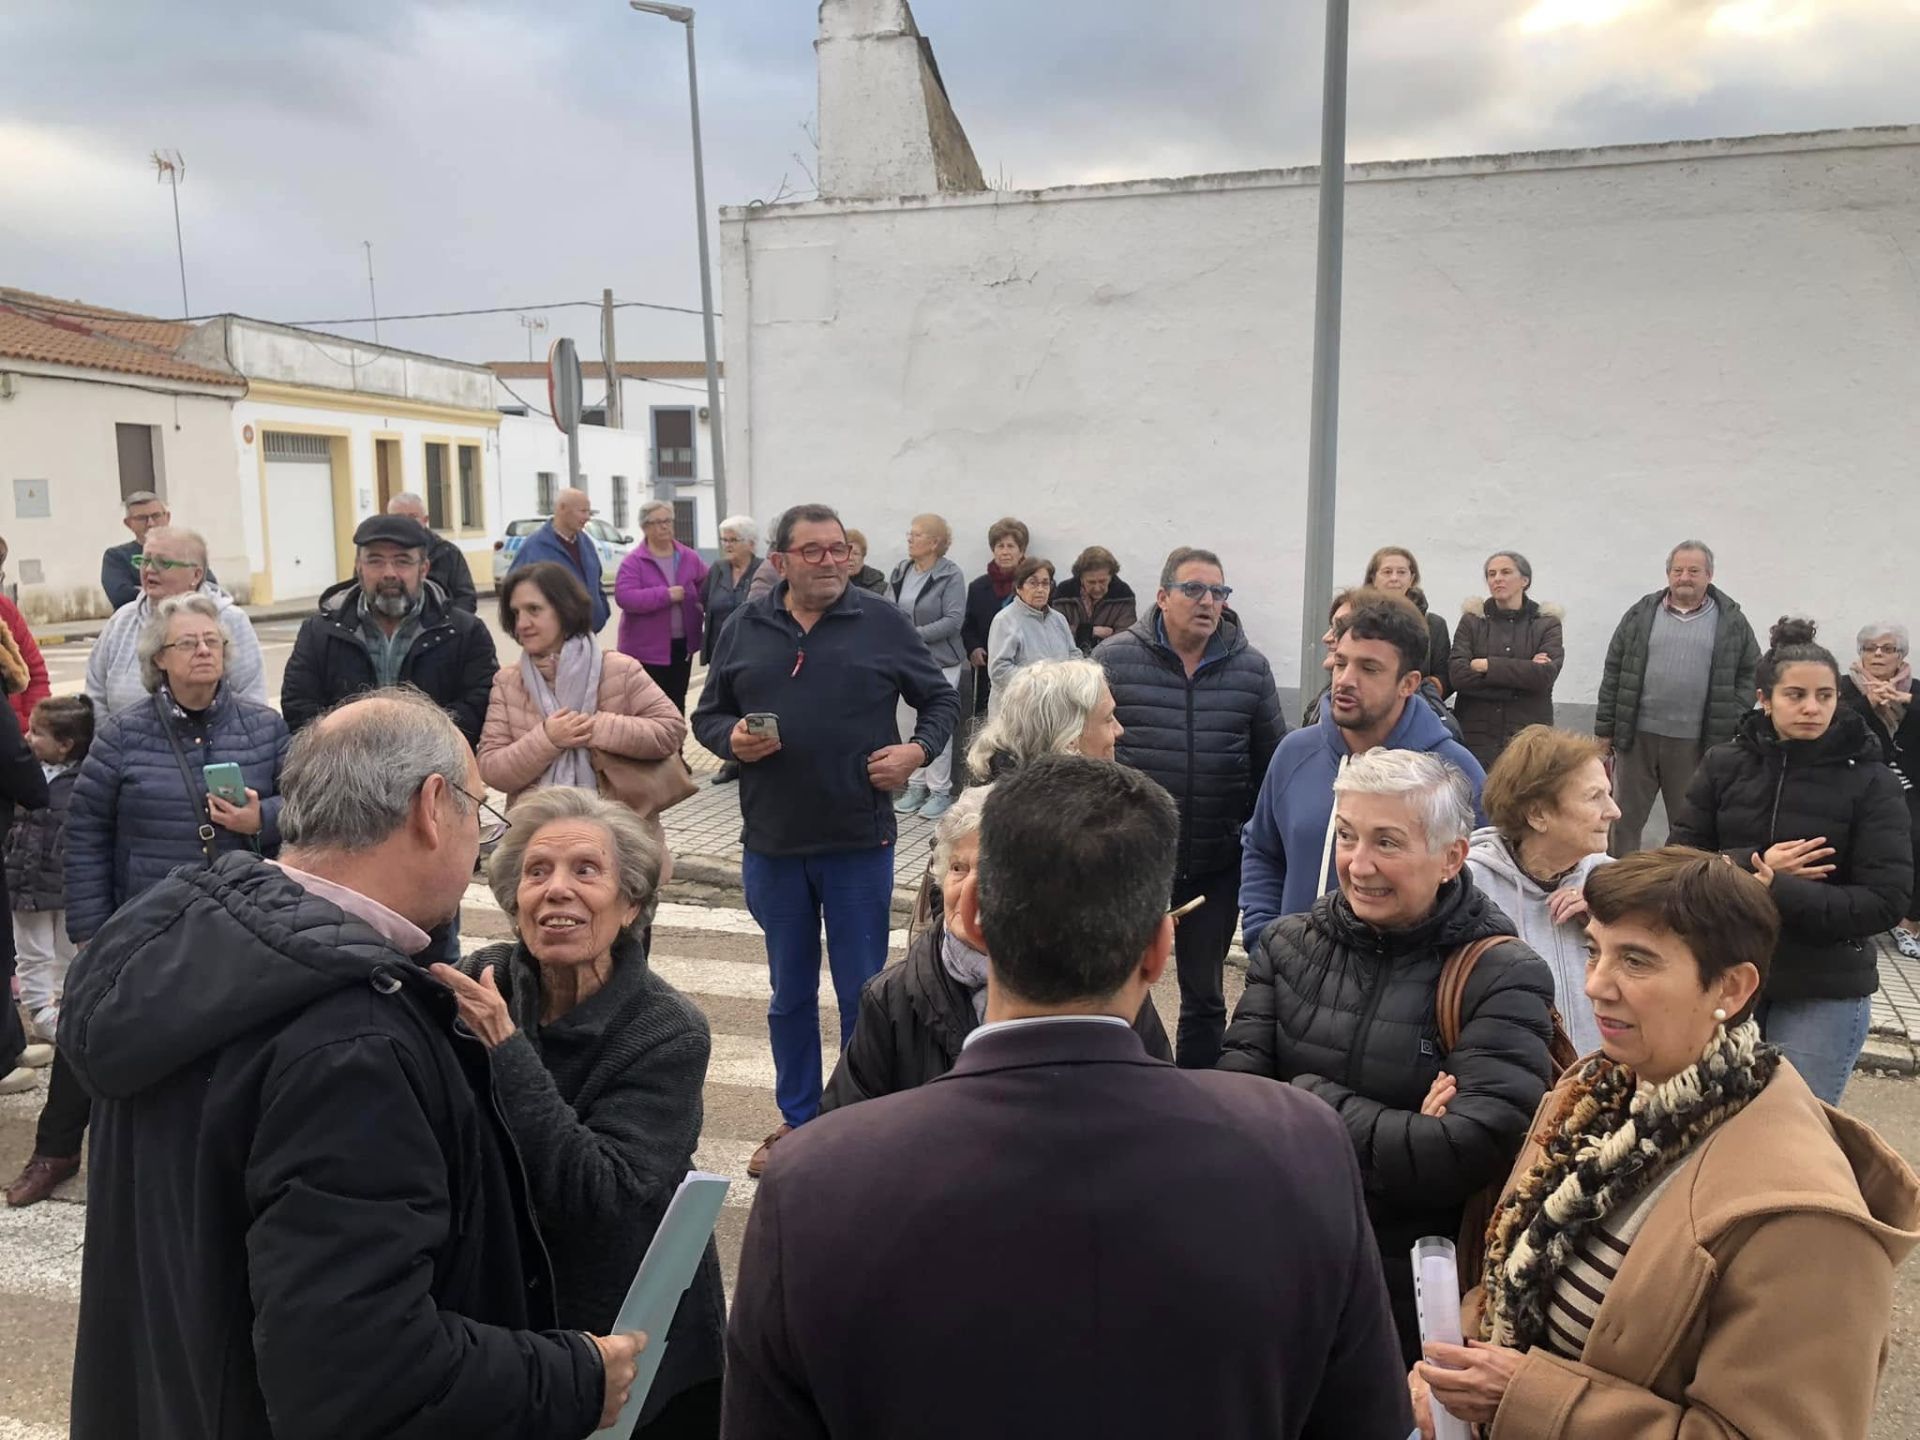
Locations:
column 1888, row 1055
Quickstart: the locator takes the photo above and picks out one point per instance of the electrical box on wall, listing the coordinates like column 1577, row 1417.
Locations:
column 32, row 500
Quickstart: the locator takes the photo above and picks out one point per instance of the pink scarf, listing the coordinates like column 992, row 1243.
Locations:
column 1891, row 711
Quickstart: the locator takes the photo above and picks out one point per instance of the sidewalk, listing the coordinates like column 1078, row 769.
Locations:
column 65, row 632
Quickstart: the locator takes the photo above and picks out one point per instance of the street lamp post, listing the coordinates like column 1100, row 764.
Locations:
column 684, row 15
column 1323, row 442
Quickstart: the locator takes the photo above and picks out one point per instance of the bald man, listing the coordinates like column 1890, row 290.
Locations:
column 562, row 540
column 446, row 563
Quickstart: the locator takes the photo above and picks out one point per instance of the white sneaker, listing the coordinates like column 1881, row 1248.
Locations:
column 1906, row 942
column 18, row 1081
column 37, row 1056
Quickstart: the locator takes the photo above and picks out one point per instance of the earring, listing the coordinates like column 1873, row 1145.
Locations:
column 1720, row 1014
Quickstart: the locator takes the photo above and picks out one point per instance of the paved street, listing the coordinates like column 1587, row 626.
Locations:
column 714, row 955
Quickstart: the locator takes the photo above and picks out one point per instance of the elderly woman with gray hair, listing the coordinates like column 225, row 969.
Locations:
column 1880, row 686
column 658, row 590
column 1052, row 707
column 598, row 1064
column 1342, row 1001
column 144, row 803
column 915, row 1016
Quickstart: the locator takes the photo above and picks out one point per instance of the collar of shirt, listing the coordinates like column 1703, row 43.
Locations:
column 1706, row 604
column 993, row 1027
column 393, row 927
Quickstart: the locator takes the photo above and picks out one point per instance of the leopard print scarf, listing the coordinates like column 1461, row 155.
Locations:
column 1611, row 1142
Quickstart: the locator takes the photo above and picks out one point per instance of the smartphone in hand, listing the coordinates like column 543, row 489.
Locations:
column 226, row 781
column 763, row 724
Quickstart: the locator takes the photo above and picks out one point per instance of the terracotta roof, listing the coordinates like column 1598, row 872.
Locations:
column 88, row 337
column 595, row 370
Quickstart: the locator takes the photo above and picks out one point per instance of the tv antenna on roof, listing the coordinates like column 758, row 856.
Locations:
column 170, row 169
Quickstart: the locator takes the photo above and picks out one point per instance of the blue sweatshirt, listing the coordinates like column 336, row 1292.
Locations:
column 1283, row 842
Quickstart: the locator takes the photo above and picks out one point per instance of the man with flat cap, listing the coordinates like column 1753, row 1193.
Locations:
column 388, row 626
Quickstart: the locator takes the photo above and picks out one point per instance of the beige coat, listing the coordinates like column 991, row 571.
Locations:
column 1755, row 1302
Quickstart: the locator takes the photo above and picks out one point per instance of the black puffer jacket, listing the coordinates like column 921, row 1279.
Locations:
column 1759, row 789
column 1736, row 657
column 1513, row 692
column 1347, row 1011
column 36, row 849
column 1901, row 746
column 305, row 1216
column 1207, row 738
column 914, row 1017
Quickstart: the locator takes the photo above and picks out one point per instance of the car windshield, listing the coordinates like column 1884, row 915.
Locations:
column 524, row 528
column 601, row 530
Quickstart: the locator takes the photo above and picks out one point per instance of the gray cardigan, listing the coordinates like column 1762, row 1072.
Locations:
column 605, row 1105
column 938, row 610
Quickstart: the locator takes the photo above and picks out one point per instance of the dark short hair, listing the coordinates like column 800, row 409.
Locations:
column 1530, row 774
column 1343, row 597
column 810, row 514
column 1379, row 616
column 68, row 719
column 562, row 590
column 1725, row 915
column 1030, row 567
column 1076, row 864
column 1096, row 557
column 1791, row 642
column 1007, row 526
column 1186, row 555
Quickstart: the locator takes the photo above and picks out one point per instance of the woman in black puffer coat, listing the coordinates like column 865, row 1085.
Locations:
column 1506, row 655
column 1804, row 798
column 1345, row 1007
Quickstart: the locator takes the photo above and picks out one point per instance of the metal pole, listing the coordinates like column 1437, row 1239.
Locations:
column 371, row 300
column 180, row 247
column 1323, row 444
column 716, row 429
column 573, row 456
column 610, row 364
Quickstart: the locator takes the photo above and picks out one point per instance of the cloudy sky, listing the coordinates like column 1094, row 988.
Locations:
column 523, row 152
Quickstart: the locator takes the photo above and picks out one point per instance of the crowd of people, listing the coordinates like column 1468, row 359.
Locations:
column 346, row 1178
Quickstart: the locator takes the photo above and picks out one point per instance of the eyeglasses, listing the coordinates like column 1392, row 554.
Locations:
column 839, row 553
column 492, row 823
column 160, row 562
column 1041, row 581
column 411, row 560
column 1885, row 647
column 1198, row 590
column 193, row 643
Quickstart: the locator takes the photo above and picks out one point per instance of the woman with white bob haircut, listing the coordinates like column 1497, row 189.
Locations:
column 1341, row 1001
column 1052, row 707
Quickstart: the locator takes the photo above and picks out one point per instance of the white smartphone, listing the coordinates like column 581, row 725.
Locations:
column 763, row 723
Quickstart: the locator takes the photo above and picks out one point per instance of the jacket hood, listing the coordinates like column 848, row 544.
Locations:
column 1848, row 740
column 1419, row 728
column 1489, row 850
column 202, row 958
column 1481, row 606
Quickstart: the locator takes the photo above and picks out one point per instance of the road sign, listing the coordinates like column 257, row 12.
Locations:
column 563, row 385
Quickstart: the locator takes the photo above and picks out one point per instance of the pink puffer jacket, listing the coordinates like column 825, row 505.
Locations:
column 634, row 718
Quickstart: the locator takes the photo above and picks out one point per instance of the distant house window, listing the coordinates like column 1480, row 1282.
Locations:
column 673, row 457
column 620, row 502
column 136, row 444
column 472, row 509
column 544, row 485
column 438, row 509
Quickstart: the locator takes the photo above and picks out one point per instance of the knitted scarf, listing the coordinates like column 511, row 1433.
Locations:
column 575, row 687
column 1894, row 711
column 1002, row 581
column 1612, row 1140
column 969, row 967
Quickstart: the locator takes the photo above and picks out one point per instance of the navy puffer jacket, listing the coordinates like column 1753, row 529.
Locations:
column 1207, row 738
column 133, row 818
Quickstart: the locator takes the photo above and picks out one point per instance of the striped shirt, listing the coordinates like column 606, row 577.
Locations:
column 1583, row 1285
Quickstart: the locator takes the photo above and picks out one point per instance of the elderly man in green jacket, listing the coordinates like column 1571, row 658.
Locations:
column 1679, row 676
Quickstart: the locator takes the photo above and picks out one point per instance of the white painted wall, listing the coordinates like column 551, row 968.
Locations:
column 1586, row 356
column 61, row 431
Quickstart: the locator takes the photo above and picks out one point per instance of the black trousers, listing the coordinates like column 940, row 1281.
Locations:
column 63, row 1119
column 1200, row 944
column 693, row 1414
column 674, row 676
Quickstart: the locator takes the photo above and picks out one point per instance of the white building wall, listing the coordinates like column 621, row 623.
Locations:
column 58, row 432
column 1585, row 356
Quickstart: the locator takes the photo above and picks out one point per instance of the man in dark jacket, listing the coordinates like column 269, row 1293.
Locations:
column 1679, row 676
column 1202, row 717
column 1341, row 1002
column 390, row 625
column 446, row 563
column 1101, row 1243
column 830, row 664
column 564, row 540
column 305, row 1217
column 144, row 510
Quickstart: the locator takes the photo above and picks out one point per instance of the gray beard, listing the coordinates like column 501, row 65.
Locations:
column 394, row 607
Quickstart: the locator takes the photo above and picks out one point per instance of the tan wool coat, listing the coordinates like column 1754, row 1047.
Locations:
column 1756, row 1300
column 634, row 717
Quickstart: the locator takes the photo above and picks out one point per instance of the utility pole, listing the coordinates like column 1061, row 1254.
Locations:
column 616, row 400
column 1323, row 442
column 373, row 302
column 170, row 169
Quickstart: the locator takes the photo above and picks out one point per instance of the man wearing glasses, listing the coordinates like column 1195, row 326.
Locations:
column 172, row 561
column 1201, row 716
column 119, row 575
column 802, row 690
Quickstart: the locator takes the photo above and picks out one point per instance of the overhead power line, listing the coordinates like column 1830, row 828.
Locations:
column 79, row 312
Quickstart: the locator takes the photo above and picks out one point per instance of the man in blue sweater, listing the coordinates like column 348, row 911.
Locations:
column 1374, row 703
column 563, row 539
column 829, row 663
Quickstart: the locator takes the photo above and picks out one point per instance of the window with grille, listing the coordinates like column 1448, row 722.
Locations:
column 438, row 508
column 620, row 502
column 472, row 509
column 683, row 521
column 673, row 457
column 544, row 485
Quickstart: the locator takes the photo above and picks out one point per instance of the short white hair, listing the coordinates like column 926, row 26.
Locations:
column 743, row 526
column 648, row 507
column 1044, row 708
column 1438, row 793
column 1891, row 628
column 406, row 502
column 962, row 820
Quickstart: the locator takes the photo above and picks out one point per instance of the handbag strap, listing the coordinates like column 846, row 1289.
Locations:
column 1452, row 990
column 201, row 812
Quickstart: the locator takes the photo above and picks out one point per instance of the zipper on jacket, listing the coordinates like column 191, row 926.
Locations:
column 1779, row 786
column 1376, row 988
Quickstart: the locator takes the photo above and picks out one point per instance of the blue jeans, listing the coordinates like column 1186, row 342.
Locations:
column 1821, row 1037
column 788, row 895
